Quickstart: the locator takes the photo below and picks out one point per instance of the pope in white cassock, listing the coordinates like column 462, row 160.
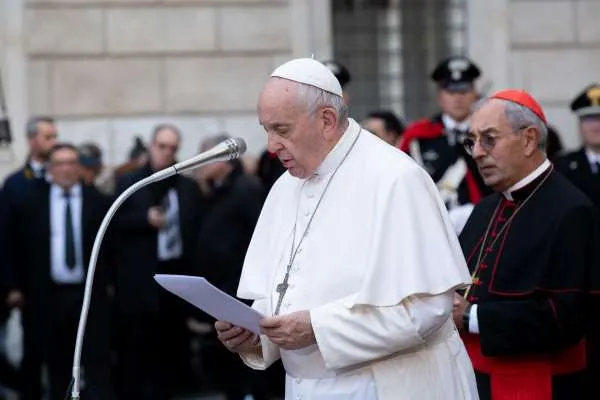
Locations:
column 353, row 262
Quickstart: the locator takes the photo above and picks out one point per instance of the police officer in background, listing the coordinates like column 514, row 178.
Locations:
column 436, row 142
column 582, row 167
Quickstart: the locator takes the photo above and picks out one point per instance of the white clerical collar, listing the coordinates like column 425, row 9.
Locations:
column 337, row 154
column 452, row 124
column 527, row 180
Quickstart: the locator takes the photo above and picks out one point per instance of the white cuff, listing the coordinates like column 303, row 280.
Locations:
column 269, row 353
column 473, row 323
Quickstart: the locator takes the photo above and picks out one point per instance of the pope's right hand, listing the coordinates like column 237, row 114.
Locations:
column 236, row 339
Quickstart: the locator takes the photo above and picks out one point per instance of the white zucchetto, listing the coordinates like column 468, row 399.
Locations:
column 311, row 72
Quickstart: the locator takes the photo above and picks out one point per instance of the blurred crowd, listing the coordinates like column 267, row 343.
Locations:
column 141, row 341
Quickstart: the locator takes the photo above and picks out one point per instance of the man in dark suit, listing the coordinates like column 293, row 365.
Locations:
column 158, row 229
column 41, row 136
column 582, row 167
column 58, row 224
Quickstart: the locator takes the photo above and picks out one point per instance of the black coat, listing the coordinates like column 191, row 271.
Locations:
column 17, row 188
column 231, row 213
column 576, row 168
column 31, row 268
column 136, row 250
column 535, row 275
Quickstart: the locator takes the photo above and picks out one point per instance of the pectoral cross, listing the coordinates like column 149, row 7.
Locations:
column 282, row 289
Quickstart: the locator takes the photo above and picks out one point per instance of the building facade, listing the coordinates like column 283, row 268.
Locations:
column 109, row 70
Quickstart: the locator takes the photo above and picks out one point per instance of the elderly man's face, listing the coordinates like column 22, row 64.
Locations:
column 292, row 134
column 500, row 153
column 590, row 130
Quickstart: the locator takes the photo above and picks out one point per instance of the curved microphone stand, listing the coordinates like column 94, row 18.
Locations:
column 227, row 150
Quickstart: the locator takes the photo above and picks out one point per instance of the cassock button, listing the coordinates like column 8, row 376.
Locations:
column 306, row 213
column 310, row 195
column 298, row 381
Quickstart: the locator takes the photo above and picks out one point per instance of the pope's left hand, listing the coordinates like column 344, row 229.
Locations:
column 290, row 332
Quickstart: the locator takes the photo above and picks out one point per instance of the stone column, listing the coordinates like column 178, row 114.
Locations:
column 311, row 28
column 13, row 66
column 488, row 41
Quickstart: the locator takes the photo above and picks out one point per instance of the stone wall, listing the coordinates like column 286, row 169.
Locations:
column 112, row 69
column 549, row 47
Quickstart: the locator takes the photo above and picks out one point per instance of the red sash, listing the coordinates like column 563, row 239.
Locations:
column 525, row 378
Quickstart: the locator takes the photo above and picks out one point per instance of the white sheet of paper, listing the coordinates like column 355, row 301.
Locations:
column 213, row 301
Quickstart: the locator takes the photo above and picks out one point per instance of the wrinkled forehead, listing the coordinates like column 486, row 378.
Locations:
column 278, row 91
column 489, row 117
column 279, row 100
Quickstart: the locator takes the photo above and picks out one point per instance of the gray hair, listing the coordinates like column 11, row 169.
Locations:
column 166, row 127
column 315, row 98
column 520, row 117
column 31, row 128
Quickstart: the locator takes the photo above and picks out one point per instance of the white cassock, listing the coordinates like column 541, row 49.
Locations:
column 377, row 270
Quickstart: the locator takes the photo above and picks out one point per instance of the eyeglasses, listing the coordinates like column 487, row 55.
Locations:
column 486, row 141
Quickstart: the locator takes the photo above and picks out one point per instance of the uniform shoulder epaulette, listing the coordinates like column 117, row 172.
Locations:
column 422, row 129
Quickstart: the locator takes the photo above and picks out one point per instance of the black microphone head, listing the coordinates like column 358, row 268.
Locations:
column 236, row 146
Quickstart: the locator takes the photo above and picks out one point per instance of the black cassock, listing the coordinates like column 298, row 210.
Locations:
column 533, row 286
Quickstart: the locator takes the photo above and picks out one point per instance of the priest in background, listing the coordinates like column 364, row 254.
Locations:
column 353, row 262
column 532, row 248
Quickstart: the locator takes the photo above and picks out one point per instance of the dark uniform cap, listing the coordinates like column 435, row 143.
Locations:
column 341, row 73
column 587, row 102
column 456, row 74
column 90, row 155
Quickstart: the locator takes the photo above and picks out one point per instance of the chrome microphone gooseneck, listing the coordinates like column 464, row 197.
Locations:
column 228, row 150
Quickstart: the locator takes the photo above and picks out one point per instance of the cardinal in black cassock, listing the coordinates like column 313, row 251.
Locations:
column 532, row 250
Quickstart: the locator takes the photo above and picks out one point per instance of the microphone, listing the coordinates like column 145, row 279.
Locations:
column 229, row 149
